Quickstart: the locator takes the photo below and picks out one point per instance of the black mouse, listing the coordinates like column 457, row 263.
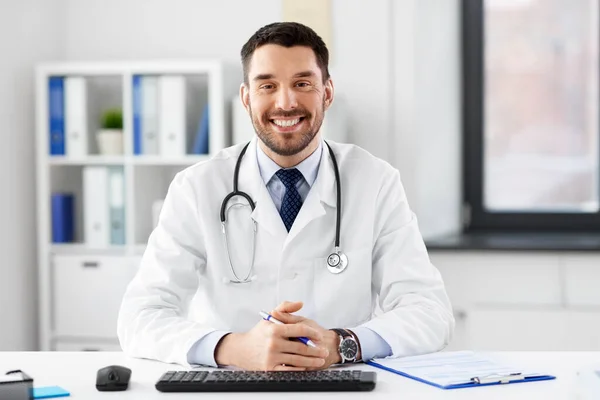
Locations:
column 113, row 378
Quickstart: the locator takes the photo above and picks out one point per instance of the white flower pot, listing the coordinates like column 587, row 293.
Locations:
column 110, row 141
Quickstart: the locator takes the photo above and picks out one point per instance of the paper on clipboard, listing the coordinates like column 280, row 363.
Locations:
column 454, row 368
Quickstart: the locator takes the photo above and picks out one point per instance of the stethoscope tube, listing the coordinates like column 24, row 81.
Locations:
column 336, row 261
column 235, row 192
column 338, row 211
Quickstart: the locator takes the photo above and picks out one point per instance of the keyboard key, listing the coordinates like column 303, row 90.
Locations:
column 167, row 376
column 200, row 376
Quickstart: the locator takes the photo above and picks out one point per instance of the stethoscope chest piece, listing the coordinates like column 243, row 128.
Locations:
column 337, row 262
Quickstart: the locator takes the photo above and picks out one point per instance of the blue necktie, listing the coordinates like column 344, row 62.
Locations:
column 292, row 202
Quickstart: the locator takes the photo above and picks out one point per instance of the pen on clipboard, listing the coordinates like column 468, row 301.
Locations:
column 497, row 378
column 268, row 317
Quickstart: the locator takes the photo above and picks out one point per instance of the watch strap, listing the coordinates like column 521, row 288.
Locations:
column 344, row 334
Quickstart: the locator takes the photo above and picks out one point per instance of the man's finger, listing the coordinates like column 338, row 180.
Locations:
column 295, row 347
column 288, row 368
column 289, row 307
column 301, row 361
column 287, row 318
column 298, row 330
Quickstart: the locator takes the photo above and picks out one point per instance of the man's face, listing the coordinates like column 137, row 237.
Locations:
column 286, row 97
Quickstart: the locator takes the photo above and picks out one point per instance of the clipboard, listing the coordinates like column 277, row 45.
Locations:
column 457, row 370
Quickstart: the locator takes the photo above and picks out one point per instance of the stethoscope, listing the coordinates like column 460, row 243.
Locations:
column 336, row 261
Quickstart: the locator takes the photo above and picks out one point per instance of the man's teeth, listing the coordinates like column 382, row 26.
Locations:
column 289, row 122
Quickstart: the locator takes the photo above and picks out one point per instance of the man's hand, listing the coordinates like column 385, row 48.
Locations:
column 330, row 341
column 267, row 347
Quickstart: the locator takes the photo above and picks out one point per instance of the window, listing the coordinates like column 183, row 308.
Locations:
column 531, row 114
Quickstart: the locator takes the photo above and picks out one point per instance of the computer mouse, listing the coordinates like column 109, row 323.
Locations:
column 113, row 378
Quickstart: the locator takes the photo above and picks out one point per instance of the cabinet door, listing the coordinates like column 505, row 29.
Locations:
column 484, row 278
column 582, row 279
column 87, row 293
column 533, row 330
column 86, row 346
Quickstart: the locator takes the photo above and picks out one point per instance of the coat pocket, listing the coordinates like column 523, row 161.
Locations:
column 344, row 300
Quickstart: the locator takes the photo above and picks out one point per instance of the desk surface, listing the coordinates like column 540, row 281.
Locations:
column 76, row 372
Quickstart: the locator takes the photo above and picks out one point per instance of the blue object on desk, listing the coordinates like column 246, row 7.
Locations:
column 49, row 392
column 456, row 370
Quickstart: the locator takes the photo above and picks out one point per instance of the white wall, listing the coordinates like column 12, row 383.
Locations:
column 30, row 32
column 426, row 133
column 394, row 61
column 208, row 28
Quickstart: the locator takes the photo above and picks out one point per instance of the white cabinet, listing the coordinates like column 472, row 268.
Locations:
column 88, row 292
column 86, row 346
column 500, row 278
column 81, row 281
column 582, row 280
column 533, row 330
column 523, row 300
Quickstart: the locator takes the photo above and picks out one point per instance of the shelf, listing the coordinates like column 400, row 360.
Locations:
column 89, row 160
column 133, row 185
column 122, row 160
column 81, row 248
column 160, row 160
column 139, row 249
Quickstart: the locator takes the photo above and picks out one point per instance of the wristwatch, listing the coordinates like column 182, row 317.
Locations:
column 348, row 347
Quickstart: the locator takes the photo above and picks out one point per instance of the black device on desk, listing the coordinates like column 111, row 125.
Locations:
column 113, row 378
column 16, row 385
column 250, row 381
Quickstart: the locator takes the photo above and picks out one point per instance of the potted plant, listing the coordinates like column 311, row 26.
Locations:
column 110, row 136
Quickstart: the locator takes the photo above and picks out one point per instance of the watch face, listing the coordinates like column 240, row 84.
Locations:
column 349, row 349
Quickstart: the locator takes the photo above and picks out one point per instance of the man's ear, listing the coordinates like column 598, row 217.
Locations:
column 245, row 97
column 329, row 91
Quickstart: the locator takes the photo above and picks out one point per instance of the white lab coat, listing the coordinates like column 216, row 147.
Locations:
column 179, row 295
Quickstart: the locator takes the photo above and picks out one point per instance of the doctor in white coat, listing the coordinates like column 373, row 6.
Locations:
column 196, row 297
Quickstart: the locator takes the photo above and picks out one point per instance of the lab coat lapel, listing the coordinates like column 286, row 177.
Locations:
column 265, row 213
column 322, row 192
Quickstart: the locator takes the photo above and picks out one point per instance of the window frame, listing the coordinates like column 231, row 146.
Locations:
column 477, row 218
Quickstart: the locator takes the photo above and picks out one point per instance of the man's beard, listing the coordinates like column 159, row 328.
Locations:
column 285, row 147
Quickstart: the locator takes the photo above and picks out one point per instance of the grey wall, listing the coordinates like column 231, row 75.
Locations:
column 30, row 31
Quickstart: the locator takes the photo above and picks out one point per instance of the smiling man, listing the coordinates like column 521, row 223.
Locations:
column 318, row 233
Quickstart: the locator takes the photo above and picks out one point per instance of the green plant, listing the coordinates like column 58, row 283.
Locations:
column 112, row 119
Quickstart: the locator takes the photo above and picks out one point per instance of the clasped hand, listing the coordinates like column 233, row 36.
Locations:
column 271, row 347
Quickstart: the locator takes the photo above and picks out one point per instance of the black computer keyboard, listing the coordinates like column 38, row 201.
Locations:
column 248, row 381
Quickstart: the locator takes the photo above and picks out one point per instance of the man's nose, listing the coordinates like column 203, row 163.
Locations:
column 286, row 99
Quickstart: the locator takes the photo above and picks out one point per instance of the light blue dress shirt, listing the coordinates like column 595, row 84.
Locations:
column 372, row 345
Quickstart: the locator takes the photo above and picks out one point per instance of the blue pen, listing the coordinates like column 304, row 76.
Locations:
column 268, row 317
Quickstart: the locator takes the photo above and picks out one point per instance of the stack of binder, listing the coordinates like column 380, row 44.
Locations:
column 104, row 206
column 68, row 116
column 63, row 217
column 160, row 117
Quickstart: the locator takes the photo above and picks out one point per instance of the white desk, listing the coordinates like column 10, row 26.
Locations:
column 76, row 372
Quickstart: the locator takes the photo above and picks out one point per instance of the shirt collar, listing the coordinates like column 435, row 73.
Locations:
column 309, row 167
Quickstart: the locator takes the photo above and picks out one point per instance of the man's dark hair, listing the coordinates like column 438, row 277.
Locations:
column 286, row 34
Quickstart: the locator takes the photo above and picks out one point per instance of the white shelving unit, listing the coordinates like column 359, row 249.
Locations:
column 81, row 287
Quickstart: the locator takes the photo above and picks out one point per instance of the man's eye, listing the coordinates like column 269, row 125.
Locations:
column 267, row 87
column 302, row 84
